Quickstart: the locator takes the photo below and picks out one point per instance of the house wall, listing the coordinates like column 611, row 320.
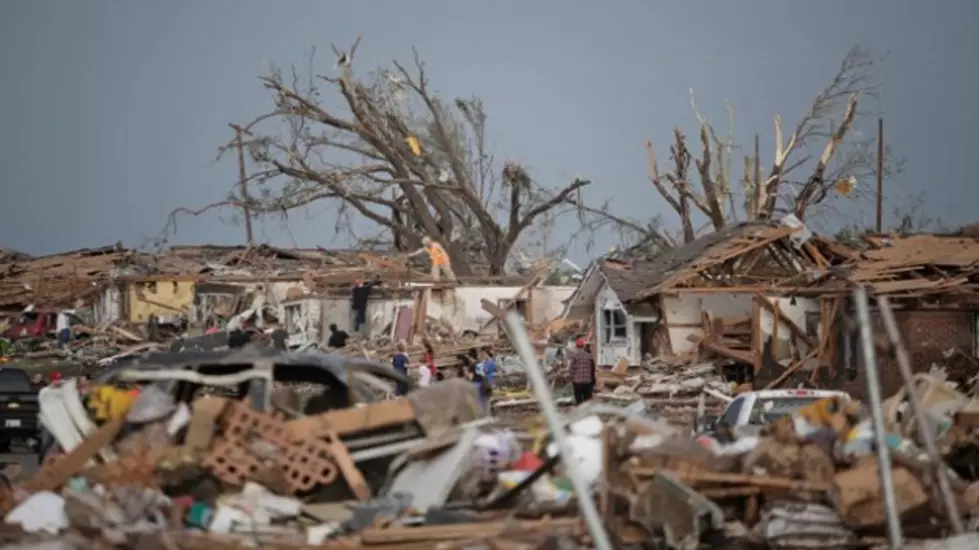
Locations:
column 108, row 306
column 611, row 352
column 462, row 307
column 927, row 335
column 804, row 308
column 170, row 297
column 683, row 314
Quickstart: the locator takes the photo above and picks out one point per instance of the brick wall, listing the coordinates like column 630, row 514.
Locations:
column 927, row 336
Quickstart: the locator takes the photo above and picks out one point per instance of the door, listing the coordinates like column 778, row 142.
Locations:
column 647, row 339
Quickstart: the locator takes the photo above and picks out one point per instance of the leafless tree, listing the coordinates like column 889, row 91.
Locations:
column 825, row 144
column 396, row 155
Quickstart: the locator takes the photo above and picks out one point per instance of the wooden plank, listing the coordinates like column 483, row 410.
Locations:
column 355, row 419
column 726, row 252
column 792, row 368
column 797, row 331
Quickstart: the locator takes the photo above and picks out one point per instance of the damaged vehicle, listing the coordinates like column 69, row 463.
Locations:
column 746, row 414
column 300, row 383
column 19, row 430
column 326, row 403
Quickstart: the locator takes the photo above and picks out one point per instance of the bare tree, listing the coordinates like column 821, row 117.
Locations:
column 825, row 143
column 398, row 156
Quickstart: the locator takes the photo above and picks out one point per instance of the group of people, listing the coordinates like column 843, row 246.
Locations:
column 427, row 371
column 478, row 366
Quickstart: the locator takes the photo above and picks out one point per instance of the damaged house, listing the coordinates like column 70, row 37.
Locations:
column 729, row 295
column 399, row 311
column 931, row 282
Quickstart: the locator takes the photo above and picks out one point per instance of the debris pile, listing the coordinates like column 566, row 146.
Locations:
column 218, row 449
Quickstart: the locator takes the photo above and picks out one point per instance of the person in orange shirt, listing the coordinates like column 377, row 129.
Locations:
column 441, row 267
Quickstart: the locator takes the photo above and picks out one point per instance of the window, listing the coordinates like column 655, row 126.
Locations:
column 731, row 413
column 614, row 324
column 770, row 410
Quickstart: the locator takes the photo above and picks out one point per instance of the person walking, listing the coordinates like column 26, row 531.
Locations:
column 581, row 369
column 400, row 364
column 63, row 328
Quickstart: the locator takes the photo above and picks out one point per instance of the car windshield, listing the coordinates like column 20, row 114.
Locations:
column 770, row 410
column 14, row 380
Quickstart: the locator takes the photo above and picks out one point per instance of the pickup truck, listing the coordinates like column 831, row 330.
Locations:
column 748, row 412
column 18, row 411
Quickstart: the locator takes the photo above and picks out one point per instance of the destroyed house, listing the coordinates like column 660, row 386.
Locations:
column 407, row 308
column 56, row 280
column 931, row 282
column 727, row 295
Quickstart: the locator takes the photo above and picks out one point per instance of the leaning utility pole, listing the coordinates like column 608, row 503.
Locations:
column 243, row 184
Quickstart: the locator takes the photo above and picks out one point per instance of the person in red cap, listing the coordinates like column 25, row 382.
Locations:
column 55, row 378
column 581, row 369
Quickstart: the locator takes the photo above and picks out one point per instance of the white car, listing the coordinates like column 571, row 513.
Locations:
column 748, row 412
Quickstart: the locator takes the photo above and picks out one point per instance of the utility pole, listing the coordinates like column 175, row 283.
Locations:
column 243, row 183
column 757, row 166
column 880, row 175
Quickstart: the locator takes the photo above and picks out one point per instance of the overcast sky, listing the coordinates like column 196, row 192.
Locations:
column 111, row 112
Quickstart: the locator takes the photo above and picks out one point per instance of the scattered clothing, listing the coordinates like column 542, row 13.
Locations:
column 400, row 364
column 338, row 339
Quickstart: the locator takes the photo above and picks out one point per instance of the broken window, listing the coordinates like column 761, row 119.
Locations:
column 731, row 414
column 293, row 318
column 614, row 322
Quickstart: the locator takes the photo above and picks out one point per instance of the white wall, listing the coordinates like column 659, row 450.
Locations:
column 796, row 313
column 686, row 309
column 609, row 353
column 108, row 307
column 464, row 310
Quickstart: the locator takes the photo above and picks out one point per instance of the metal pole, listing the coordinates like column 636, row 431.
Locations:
column 521, row 343
column 880, row 175
column 926, row 431
column 894, row 536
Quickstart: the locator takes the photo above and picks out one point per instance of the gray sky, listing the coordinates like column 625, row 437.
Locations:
column 112, row 111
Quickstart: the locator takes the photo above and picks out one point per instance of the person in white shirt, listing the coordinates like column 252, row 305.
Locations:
column 424, row 375
column 63, row 328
